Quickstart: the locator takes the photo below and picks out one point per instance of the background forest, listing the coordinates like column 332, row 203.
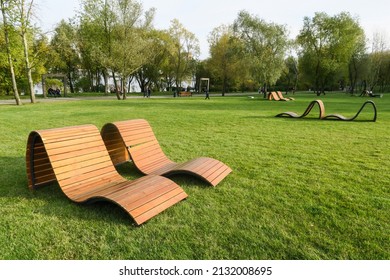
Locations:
column 112, row 46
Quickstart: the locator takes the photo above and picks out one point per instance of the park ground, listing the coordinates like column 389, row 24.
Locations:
column 300, row 188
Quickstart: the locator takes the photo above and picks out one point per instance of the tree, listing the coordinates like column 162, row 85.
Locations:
column 116, row 35
column 327, row 45
column 183, row 52
column 226, row 63
column 23, row 18
column 97, row 22
column 357, row 64
column 65, row 46
column 377, row 61
column 133, row 25
column 265, row 45
column 5, row 8
column 290, row 75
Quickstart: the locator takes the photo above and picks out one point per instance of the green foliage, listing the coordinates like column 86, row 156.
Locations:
column 226, row 64
column 265, row 46
column 328, row 44
column 182, row 53
column 300, row 189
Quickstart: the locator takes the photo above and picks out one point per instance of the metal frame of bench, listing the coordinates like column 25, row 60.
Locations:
column 77, row 159
column 135, row 140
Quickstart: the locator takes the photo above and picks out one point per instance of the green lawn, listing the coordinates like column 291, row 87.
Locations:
column 300, row 188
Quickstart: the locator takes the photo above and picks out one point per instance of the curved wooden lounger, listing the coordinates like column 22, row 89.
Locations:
column 342, row 118
column 273, row 96
column 77, row 159
column 280, row 94
column 135, row 140
column 307, row 111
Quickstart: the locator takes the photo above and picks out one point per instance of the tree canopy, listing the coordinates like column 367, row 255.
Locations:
column 110, row 44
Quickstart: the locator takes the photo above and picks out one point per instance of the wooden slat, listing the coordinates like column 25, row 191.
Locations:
column 156, row 210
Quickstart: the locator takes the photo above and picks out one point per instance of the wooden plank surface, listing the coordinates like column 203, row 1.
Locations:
column 147, row 155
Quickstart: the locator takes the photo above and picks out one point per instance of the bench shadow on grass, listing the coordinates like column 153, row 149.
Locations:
column 49, row 200
column 310, row 118
column 130, row 172
column 282, row 118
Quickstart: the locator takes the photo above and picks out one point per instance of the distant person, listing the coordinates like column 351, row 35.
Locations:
column 58, row 92
column 207, row 93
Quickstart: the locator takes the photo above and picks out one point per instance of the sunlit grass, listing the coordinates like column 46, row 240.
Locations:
column 300, row 189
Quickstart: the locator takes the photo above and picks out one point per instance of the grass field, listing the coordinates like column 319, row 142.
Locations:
column 300, row 188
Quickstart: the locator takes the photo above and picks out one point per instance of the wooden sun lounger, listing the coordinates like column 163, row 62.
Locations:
column 280, row 95
column 307, row 111
column 77, row 159
column 342, row 118
column 135, row 140
column 274, row 96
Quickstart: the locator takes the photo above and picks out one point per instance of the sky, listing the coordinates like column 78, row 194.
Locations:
column 202, row 16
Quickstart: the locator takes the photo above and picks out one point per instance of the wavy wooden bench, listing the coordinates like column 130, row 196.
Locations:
column 281, row 97
column 185, row 93
column 135, row 140
column 307, row 111
column 273, row 96
column 77, row 159
column 342, row 118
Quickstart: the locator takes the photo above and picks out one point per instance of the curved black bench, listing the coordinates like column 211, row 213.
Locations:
column 339, row 117
column 307, row 111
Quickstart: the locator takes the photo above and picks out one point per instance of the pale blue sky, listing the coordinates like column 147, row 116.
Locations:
column 202, row 16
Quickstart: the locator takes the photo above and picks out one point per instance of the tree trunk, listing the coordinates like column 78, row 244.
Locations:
column 106, row 85
column 8, row 47
column 123, row 87
column 28, row 68
column 265, row 90
column 70, row 83
column 24, row 16
column 116, row 86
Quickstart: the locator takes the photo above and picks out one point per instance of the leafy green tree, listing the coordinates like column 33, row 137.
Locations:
column 327, row 45
column 133, row 25
column 377, row 61
column 67, row 54
column 265, row 45
column 183, row 52
column 357, row 65
column 290, row 76
column 226, row 63
column 97, row 23
column 116, row 35
column 152, row 74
